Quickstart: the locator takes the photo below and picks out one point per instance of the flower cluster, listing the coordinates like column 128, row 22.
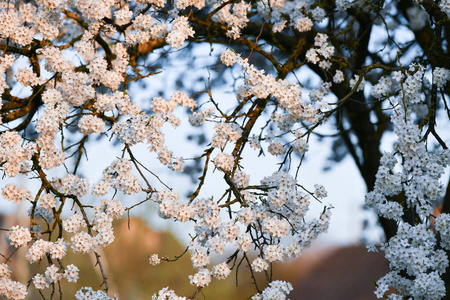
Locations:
column 261, row 218
column 234, row 16
column 118, row 175
column 414, row 171
column 51, row 275
column 14, row 157
column 90, row 124
column 9, row 288
column 411, row 250
column 166, row 293
column 87, row 293
column 180, row 32
column 41, row 248
column 104, row 214
column 284, row 93
column 420, row 170
column 18, row 236
column 12, row 193
column 277, row 289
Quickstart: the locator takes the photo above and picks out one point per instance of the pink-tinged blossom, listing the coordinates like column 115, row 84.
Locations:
column 18, row 236
column 181, row 31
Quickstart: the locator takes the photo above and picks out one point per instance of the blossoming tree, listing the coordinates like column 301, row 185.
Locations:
column 68, row 67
